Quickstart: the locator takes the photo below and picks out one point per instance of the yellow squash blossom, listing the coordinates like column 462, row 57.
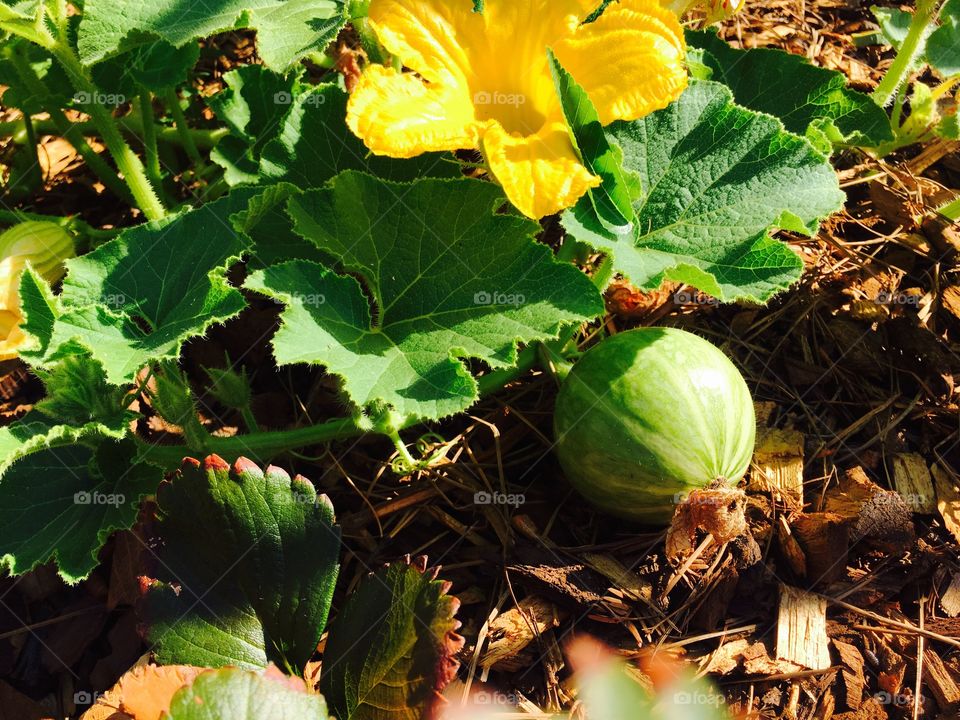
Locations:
column 45, row 246
column 482, row 81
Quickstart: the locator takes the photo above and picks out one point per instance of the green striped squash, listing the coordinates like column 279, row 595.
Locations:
column 649, row 415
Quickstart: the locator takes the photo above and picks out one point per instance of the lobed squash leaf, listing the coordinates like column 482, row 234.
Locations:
column 138, row 298
column 715, row 178
column 448, row 278
column 62, row 504
column 788, row 87
column 287, row 30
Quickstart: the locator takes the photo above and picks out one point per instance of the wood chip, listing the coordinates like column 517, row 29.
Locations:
column 515, row 629
column 950, row 600
column 824, row 539
column 778, row 465
column 16, row 706
column 802, row 629
column 852, row 673
column 911, row 477
column 871, row 709
column 753, row 657
column 948, row 499
column 623, row 578
column 879, row 517
column 938, row 677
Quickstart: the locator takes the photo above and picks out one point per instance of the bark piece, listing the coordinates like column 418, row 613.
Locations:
column 948, row 499
column 950, row 600
column 938, row 677
column 911, row 477
column 824, row 538
column 573, row 585
column 879, row 517
column 752, row 656
column 871, row 709
column 802, row 629
column 778, row 465
column 512, row 631
column 634, row 586
column 852, row 673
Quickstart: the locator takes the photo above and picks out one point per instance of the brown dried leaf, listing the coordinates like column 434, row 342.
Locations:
column 143, row 693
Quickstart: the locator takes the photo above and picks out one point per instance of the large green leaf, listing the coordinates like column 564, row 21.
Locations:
column 235, row 694
column 391, row 649
column 63, row 503
column 943, row 45
column 449, row 280
column 252, row 106
column 139, row 297
column 287, row 30
column 157, row 67
column 715, row 179
column 787, row 86
column 315, row 144
column 247, row 567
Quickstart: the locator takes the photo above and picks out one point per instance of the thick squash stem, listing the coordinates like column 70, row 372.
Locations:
column 907, row 55
column 261, row 446
column 129, row 163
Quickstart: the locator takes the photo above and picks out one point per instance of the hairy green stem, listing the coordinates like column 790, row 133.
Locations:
column 172, row 101
column 131, row 124
column 67, row 130
column 263, row 445
column 129, row 163
column 31, row 138
column 908, row 53
column 145, row 101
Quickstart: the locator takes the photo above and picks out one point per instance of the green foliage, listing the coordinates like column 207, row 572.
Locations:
column 390, row 649
column 314, row 145
column 287, row 30
column 612, row 201
column 61, row 504
column 243, row 695
column 138, row 298
column 943, row 45
column 715, row 179
column 157, row 67
column 448, row 279
column 787, row 86
column 894, row 24
column 247, row 568
column 253, row 106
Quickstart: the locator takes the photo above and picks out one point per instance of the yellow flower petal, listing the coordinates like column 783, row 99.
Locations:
column 399, row 115
column 631, row 60
column 511, row 65
column 541, row 174
column 432, row 37
column 12, row 337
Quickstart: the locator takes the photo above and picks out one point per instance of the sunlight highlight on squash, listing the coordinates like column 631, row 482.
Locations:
column 483, row 82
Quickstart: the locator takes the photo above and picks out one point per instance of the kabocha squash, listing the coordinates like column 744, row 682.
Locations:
column 649, row 415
